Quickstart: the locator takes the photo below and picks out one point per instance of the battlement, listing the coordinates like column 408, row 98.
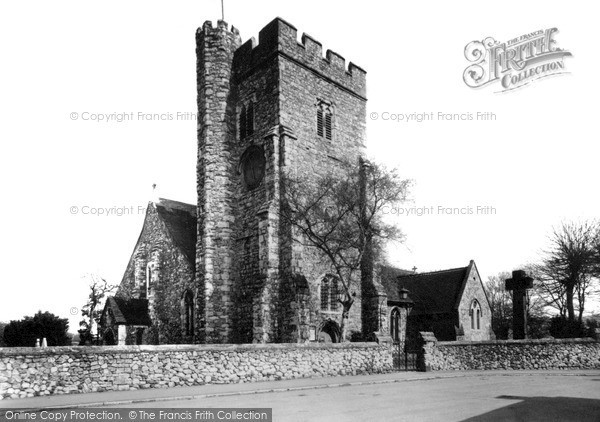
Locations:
column 222, row 30
column 207, row 27
column 281, row 37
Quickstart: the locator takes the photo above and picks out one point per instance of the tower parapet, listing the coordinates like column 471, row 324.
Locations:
column 280, row 37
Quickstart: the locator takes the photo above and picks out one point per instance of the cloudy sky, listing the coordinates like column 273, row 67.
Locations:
column 535, row 164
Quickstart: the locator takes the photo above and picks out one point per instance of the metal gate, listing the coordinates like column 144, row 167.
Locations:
column 406, row 357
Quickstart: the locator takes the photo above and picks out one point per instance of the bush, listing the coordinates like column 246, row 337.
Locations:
column 560, row 327
column 2, row 326
column 590, row 329
column 25, row 332
column 356, row 337
column 538, row 327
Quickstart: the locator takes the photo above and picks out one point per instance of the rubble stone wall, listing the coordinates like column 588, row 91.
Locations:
column 513, row 354
column 28, row 372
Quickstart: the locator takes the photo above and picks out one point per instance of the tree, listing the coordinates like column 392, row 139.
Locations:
column 501, row 304
column 91, row 311
column 25, row 332
column 569, row 266
column 340, row 215
column 551, row 291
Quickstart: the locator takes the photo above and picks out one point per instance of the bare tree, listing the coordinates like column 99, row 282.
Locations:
column 500, row 303
column 549, row 288
column 91, row 312
column 587, row 288
column 340, row 215
column 569, row 266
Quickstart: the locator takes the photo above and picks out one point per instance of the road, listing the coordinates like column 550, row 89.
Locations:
column 507, row 397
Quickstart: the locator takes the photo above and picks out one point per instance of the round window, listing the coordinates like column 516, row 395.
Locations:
column 253, row 166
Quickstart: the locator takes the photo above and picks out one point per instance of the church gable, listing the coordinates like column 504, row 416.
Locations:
column 168, row 236
column 161, row 271
column 474, row 312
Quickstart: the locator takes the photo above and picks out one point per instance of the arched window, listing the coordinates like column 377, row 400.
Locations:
column 333, row 295
column 395, row 324
column 475, row 313
column 148, row 282
column 329, row 294
column 188, row 313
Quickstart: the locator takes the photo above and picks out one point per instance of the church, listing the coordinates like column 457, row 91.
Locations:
column 227, row 269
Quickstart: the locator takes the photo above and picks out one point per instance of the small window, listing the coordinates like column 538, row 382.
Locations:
column 246, row 121
column 324, row 120
column 147, row 289
column 188, row 313
column 329, row 294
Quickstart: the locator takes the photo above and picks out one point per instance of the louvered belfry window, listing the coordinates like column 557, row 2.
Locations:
column 324, row 120
column 246, row 123
column 250, row 119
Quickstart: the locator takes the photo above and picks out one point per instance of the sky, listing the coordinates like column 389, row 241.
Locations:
column 65, row 62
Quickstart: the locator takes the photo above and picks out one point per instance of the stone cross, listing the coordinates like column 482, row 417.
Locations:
column 519, row 283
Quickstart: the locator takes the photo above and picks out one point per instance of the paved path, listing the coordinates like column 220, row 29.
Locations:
column 448, row 396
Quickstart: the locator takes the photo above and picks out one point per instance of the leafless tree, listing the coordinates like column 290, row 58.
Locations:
column 548, row 291
column 500, row 303
column 90, row 312
column 568, row 269
column 340, row 215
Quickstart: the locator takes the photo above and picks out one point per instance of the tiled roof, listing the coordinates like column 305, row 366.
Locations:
column 389, row 279
column 433, row 293
column 129, row 311
column 181, row 222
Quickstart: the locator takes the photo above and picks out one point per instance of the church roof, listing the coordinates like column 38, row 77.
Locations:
column 180, row 220
column 389, row 280
column 434, row 292
column 129, row 311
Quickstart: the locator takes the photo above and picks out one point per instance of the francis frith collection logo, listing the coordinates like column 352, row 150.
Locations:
column 514, row 63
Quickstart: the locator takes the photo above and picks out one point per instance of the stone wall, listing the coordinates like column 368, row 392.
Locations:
column 28, row 372
column 512, row 354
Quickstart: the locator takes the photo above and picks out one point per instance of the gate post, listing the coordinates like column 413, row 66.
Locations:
column 428, row 343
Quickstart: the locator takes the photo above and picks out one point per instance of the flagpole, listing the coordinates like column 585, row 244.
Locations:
column 222, row 10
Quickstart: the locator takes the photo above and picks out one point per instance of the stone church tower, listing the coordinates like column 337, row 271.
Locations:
column 265, row 109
